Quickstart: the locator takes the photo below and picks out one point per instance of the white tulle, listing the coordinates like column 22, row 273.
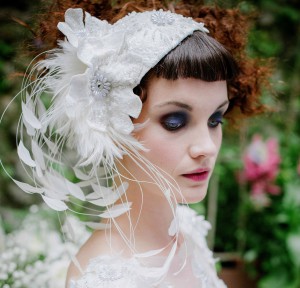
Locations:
column 194, row 266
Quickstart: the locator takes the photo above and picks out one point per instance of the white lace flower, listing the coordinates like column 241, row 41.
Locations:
column 99, row 100
column 162, row 18
column 100, row 103
column 75, row 29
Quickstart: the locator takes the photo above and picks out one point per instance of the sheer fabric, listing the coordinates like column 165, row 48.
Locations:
column 193, row 266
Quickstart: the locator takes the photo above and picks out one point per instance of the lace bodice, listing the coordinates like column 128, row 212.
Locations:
column 194, row 266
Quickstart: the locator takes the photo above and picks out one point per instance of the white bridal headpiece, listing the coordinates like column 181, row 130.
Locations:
column 81, row 100
column 78, row 109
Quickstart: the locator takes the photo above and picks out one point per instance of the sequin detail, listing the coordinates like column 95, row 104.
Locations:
column 162, row 18
column 100, row 86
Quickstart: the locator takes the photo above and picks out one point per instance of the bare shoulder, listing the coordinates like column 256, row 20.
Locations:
column 100, row 243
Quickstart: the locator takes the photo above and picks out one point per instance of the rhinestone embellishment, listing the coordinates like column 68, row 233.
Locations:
column 100, row 86
column 162, row 18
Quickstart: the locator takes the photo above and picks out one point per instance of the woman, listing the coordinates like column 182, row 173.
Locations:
column 136, row 112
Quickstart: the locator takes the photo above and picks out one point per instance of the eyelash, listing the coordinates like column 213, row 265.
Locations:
column 177, row 120
column 174, row 121
column 215, row 120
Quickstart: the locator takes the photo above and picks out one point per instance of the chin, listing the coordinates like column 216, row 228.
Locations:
column 192, row 196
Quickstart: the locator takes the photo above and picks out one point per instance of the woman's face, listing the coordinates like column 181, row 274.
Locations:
column 183, row 131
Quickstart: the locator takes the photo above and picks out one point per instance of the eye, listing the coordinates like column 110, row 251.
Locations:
column 174, row 121
column 215, row 120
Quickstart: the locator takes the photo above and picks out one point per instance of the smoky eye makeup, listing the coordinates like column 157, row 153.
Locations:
column 174, row 121
column 216, row 119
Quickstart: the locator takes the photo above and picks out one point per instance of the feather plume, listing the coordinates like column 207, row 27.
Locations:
column 38, row 155
column 75, row 190
column 30, row 118
column 116, row 210
column 55, row 204
column 25, row 155
column 28, row 188
column 105, row 196
column 97, row 226
column 149, row 253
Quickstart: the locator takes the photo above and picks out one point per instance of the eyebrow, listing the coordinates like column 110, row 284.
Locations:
column 186, row 106
column 223, row 104
column 176, row 103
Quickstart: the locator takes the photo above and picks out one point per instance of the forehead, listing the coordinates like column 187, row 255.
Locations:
column 187, row 90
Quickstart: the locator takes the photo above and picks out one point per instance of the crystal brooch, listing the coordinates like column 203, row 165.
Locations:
column 100, row 86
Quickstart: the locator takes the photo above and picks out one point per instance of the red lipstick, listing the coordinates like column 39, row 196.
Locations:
column 197, row 175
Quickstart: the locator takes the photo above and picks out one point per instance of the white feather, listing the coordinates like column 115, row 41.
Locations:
column 41, row 108
column 55, row 204
column 52, row 146
column 69, row 230
column 149, row 253
column 110, row 197
column 57, row 183
column 38, row 154
column 161, row 272
column 122, row 188
column 80, row 175
column 77, row 264
column 116, row 210
column 170, row 257
column 167, row 193
column 25, row 155
column 97, row 226
column 30, row 118
column 93, row 196
column 99, row 191
column 104, row 201
column 29, row 129
column 39, row 171
column 140, row 126
column 28, row 188
column 75, row 190
column 54, row 194
column 173, row 229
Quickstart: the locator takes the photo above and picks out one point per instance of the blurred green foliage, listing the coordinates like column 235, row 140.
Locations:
column 268, row 238
column 12, row 65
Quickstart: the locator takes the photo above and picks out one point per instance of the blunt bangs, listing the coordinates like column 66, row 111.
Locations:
column 198, row 56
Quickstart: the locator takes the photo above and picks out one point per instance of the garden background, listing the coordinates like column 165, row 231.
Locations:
column 254, row 197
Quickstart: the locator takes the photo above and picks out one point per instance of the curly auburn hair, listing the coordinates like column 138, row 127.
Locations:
column 228, row 26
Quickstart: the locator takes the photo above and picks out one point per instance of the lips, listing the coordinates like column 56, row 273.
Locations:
column 197, row 175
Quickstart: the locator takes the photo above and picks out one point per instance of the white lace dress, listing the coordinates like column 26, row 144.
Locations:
column 194, row 266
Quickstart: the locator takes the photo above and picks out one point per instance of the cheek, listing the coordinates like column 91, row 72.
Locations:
column 161, row 151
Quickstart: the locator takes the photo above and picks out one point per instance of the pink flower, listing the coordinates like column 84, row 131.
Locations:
column 261, row 162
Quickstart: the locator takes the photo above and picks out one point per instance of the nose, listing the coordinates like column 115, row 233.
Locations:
column 205, row 143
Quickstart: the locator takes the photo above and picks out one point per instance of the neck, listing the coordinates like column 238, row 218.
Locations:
column 149, row 219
